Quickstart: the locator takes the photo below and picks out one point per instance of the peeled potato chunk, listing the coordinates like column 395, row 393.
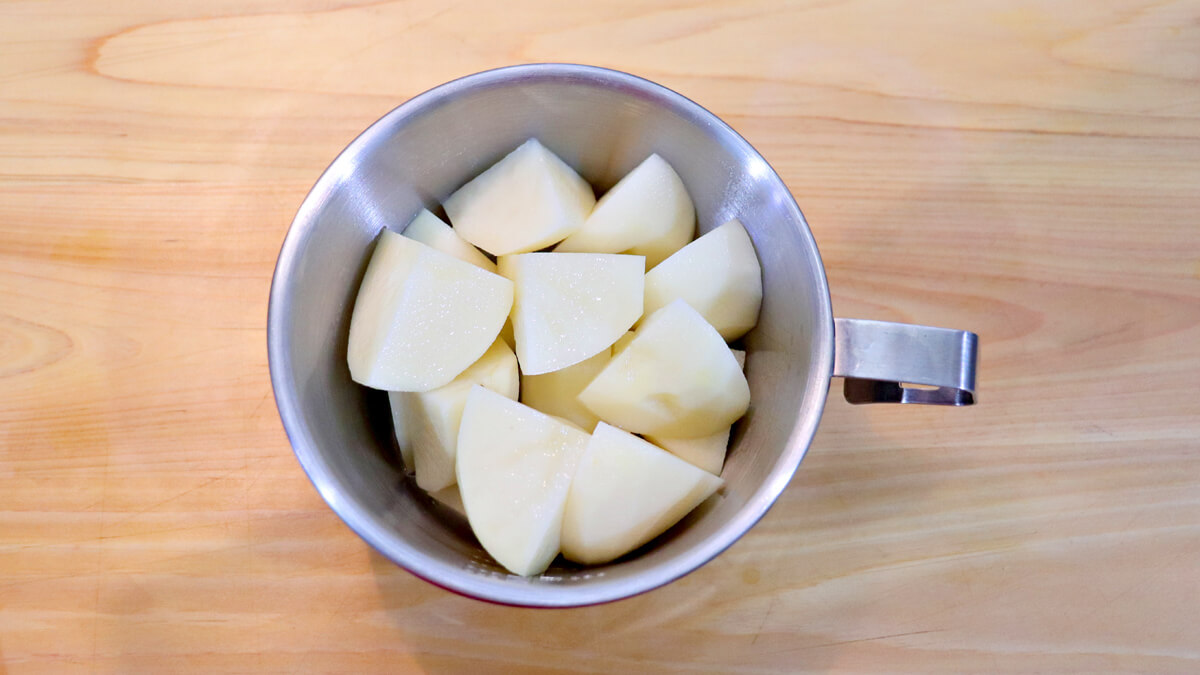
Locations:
column 706, row 452
column 557, row 393
column 433, row 417
column 718, row 275
column 571, row 306
column 431, row 231
column 626, row 492
column 525, row 202
column 648, row 212
column 514, row 469
column 422, row 316
column 676, row 378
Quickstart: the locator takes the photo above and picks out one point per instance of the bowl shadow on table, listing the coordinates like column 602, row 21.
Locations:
column 752, row 606
column 448, row 633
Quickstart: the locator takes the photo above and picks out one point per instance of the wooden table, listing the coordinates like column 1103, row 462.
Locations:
column 1030, row 171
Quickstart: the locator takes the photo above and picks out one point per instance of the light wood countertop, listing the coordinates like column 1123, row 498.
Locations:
column 1029, row 171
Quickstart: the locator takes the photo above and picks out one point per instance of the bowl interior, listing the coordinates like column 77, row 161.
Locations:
column 603, row 123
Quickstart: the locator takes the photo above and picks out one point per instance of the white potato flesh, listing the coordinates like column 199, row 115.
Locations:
column 569, row 423
column 718, row 274
column 557, row 393
column 571, row 306
column 706, row 452
column 648, row 212
column 676, row 378
column 626, row 492
column 433, row 417
column 514, row 469
column 422, row 316
column 431, row 231
column 398, row 403
column 527, row 201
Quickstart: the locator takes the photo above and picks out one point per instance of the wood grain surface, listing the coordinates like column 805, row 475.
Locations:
column 1028, row 170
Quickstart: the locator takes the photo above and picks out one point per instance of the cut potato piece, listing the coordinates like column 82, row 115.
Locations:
column 647, row 213
column 625, row 493
column 569, row 423
column 525, row 202
column 422, row 316
column 514, row 469
column 676, row 378
column 433, row 417
column 707, row 452
column 431, row 231
column 718, row 275
column 398, row 404
column 450, row 498
column 557, row 393
column 571, row 306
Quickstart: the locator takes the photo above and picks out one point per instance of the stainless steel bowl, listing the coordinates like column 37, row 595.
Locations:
column 603, row 123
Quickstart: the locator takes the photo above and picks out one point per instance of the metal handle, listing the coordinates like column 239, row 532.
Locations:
column 881, row 360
